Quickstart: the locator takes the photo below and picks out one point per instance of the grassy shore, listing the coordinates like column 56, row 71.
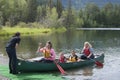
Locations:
column 28, row 31
column 4, row 73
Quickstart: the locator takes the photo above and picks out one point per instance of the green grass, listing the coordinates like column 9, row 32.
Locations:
column 9, row 30
column 28, row 31
column 29, row 76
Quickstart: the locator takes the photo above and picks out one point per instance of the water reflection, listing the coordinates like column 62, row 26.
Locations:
column 107, row 42
column 80, row 74
column 66, row 41
column 88, row 71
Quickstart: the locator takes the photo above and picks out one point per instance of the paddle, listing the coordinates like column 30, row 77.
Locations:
column 97, row 62
column 60, row 68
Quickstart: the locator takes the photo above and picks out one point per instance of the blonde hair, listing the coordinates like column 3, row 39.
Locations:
column 87, row 43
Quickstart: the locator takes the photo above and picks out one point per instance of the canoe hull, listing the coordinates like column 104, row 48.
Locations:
column 27, row 66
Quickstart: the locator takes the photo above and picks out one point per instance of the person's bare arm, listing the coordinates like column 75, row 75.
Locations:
column 39, row 47
column 16, row 45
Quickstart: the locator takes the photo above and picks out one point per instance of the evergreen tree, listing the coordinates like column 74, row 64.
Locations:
column 59, row 8
column 32, row 10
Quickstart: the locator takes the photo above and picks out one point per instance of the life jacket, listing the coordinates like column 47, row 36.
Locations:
column 47, row 53
column 86, row 52
column 72, row 59
column 62, row 59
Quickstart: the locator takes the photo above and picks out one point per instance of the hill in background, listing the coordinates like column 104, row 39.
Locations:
column 77, row 4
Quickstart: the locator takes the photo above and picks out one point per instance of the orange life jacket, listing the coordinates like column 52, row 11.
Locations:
column 47, row 53
column 72, row 59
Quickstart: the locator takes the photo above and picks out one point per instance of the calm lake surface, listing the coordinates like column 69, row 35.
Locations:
column 103, row 41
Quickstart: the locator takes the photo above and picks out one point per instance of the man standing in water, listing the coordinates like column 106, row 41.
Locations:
column 11, row 51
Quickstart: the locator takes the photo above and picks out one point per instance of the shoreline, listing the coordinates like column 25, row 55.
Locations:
column 3, row 61
column 115, row 29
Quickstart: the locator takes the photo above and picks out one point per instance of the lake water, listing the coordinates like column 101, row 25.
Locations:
column 103, row 41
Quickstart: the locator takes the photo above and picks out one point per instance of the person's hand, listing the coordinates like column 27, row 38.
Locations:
column 40, row 45
column 37, row 51
column 88, row 57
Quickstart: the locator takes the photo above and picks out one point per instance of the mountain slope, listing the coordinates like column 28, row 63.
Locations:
column 77, row 4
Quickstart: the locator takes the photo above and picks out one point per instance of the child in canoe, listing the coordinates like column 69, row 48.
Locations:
column 62, row 58
column 73, row 57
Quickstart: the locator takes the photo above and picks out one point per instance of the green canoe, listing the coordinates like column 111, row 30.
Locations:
column 28, row 66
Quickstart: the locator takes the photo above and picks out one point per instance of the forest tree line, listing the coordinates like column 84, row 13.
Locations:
column 51, row 13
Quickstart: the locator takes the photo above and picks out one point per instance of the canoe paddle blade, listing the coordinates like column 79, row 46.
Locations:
column 98, row 63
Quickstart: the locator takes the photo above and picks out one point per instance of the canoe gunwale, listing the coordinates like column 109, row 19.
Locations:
column 27, row 66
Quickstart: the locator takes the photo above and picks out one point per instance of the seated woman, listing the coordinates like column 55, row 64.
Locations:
column 48, row 52
column 73, row 57
column 87, row 51
column 62, row 58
